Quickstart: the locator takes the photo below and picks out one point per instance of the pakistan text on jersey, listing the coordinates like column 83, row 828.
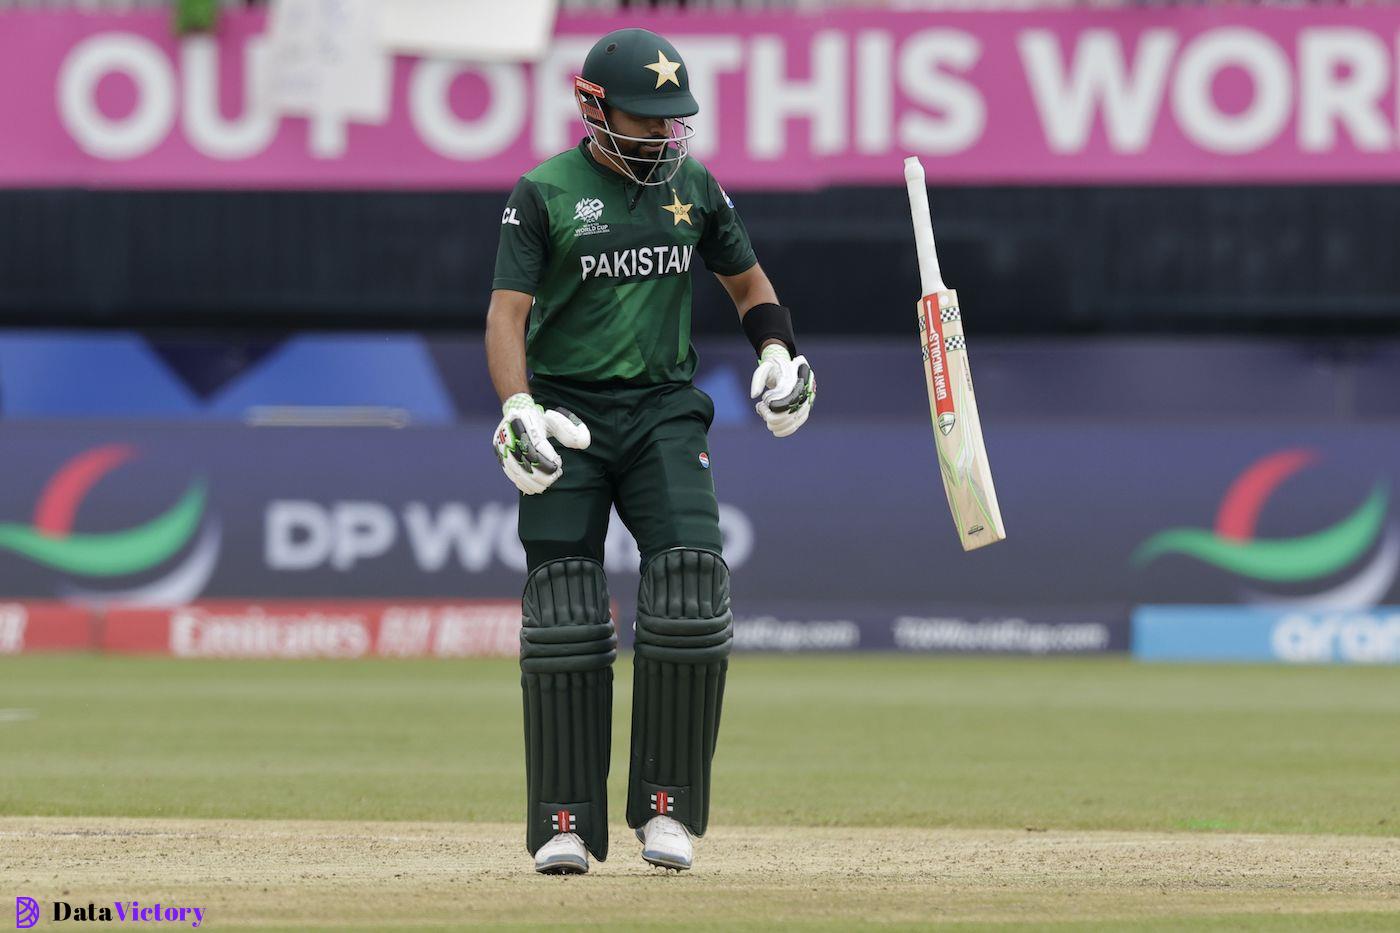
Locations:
column 639, row 260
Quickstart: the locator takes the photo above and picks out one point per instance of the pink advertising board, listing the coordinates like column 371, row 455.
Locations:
column 788, row 101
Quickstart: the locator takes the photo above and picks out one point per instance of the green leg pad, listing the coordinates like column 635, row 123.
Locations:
column 684, row 632
column 567, row 647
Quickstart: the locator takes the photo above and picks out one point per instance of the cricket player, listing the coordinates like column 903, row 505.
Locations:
column 592, row 296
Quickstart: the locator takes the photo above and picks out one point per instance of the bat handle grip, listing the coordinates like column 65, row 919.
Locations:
column 930, row 276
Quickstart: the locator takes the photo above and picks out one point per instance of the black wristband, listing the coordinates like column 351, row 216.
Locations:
column 769, row 322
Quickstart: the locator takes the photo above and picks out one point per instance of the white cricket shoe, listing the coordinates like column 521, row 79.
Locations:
column 565, row 854
column 666, row 843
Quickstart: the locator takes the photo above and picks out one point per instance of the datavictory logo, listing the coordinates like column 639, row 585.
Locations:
column 26, row 913
column 1233, row 546
column 52, row 541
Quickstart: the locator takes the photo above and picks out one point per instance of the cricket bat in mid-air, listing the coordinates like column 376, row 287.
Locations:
column 957, row 431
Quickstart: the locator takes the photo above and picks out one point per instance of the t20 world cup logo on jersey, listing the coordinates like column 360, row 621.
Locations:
column 588, row 210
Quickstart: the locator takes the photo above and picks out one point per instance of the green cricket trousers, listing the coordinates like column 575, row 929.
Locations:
column 648, row 458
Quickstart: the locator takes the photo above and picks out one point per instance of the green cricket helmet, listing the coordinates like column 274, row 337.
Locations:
column 639, row 72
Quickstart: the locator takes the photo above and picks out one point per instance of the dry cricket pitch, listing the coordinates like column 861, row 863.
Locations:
column 270, row 874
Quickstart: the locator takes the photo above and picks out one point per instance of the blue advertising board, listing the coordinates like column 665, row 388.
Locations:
column 844, row 522
column 1253, row 634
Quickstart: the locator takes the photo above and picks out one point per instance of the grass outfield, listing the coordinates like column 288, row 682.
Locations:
column 1122, row 786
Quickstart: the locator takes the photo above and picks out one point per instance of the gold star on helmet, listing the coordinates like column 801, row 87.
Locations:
column 665, row 70
column 678, row 210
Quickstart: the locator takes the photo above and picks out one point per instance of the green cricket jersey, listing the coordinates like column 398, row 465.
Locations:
column 608, row 262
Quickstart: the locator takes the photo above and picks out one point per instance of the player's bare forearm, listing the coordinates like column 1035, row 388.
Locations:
column 505, row 341
column 749, row 289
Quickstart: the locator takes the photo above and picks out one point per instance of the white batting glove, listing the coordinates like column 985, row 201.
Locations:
column 785, row 389
column 522, row 442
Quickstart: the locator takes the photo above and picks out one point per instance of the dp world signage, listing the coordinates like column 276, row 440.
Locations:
column 1296, row 521
column 787, row 101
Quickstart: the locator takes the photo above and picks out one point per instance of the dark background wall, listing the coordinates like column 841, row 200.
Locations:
column 1098, row 259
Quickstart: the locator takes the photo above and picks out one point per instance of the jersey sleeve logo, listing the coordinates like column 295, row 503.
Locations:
column 588, row 210
column 509, row 216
